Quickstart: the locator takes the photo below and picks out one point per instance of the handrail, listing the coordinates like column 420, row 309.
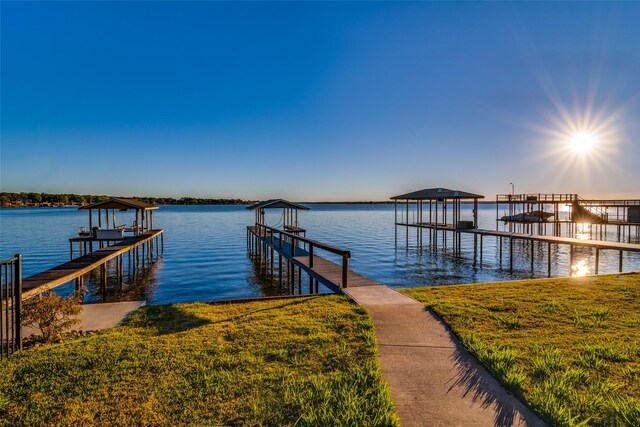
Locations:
column 315, row 243
column 311, row 243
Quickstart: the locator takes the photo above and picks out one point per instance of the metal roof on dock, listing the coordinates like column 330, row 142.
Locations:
column 120, row 203
column 277, row 204
column 437, row 193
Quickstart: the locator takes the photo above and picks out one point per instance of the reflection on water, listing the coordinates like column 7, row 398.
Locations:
column 580, row 269
column 133, row 285
column 583, row 231
column 206, row 258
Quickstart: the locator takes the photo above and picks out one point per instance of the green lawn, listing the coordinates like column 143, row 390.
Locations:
column 570, row 348
column 306, row 361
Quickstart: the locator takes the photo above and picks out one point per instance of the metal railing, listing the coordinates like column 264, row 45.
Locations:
column 535, row 198
column 10, row 306
column 294, row 239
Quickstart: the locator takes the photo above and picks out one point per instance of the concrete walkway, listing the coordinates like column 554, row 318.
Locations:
column 433, row 380
column 98, row 316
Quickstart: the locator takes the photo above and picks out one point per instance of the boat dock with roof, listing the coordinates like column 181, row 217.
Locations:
column 438, row 211
column 138, row 241
column 286, row 256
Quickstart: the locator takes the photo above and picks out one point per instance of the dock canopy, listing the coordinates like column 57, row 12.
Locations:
column 437, row 194
column 277, row 204
column 290, row 210
column 143, row 217
column 120, row 204
column 443, row 207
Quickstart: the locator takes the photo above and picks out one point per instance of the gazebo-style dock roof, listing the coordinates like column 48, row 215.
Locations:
column 437, row 194
column 435, row 208
column 121, row 204
column 289, row 213
column 277, row 204
column 109, row 229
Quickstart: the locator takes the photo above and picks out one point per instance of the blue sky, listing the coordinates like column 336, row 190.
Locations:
column 318, row 101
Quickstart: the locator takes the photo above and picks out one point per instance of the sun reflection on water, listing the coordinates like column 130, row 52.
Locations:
column 583, row 231
column 580, row 269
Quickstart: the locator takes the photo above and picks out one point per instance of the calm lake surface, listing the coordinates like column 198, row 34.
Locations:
column 205, row 254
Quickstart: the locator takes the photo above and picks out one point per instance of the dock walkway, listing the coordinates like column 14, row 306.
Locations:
column 572, row 242
column 434, row 381
column 78, row 267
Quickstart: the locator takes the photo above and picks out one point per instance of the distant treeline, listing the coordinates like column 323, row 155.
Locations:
column 46, row 199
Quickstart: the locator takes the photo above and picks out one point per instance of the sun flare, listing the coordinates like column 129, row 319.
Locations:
column 582, row 142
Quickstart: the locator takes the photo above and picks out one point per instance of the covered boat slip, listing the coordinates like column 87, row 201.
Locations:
column 139, row 250
column 442, row 207
column 289, row 220
column 140, row 247
column 284, row 254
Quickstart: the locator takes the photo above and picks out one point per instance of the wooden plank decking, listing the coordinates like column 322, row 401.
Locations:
column 600, row 244
column 49, row 279
column 325, row 271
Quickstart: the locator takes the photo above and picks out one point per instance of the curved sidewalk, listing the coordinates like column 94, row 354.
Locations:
column 434, row 381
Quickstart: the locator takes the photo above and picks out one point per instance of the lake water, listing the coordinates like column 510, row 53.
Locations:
column 205, row 254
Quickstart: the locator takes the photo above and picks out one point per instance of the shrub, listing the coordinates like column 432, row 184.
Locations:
column 52, row 314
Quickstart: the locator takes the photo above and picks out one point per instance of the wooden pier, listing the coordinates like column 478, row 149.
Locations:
column 438, row 211
column 284, row 257
column 544, row 211
column 139, row 250
column 480, row 234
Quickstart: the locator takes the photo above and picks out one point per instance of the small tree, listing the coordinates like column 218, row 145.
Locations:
column 52, row 314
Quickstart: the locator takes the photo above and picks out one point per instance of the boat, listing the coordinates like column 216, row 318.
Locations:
column 533, row 216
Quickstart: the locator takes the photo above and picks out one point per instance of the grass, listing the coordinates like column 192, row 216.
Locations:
column 300, row 362
column 570, row 348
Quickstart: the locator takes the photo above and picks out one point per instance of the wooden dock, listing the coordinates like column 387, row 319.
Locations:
column 137, row 248
column 572, row 242
column 284, row 256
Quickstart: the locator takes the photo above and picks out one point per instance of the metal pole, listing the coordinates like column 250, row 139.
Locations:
column 345, row 270
column 17, row 304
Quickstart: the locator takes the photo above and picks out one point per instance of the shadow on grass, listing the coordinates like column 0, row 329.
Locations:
column 164, row 319
column 170, row 319
column 484, row 389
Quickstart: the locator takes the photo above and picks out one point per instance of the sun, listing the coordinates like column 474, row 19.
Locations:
column 582, row 142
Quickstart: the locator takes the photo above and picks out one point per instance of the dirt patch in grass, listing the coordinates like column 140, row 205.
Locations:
column 307, row 361
column 570, row 348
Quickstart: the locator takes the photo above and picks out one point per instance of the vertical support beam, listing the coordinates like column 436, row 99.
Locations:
column 103, row 280
column 345, row 270
column 395, row 220
column 620, row 263
column 475, row 213
column 532, row 253
column 510, row 254
column 17, row 302
column 548, row 259
column 597, row 260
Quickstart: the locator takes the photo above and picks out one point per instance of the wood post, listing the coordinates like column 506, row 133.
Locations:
column 345, row 270
column 511, row 255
